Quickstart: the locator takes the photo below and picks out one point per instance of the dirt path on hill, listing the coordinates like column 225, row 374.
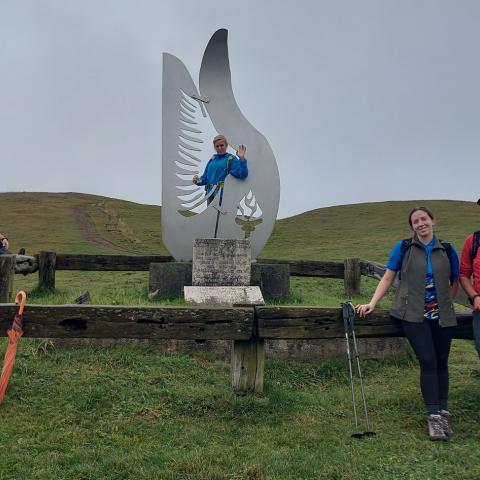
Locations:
column 87, row 228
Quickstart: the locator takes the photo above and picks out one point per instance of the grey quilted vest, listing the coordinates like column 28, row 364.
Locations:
column 410, row 295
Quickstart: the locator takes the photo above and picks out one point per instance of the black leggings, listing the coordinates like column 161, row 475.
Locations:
column 431, row 344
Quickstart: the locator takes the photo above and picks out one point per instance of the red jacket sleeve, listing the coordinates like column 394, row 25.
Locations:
column 466, row 264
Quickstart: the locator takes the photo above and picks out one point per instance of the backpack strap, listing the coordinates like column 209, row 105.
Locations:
column 406, row 244
column 448, row 250
column 475, row 245
column 229, row 163
column 207, row 185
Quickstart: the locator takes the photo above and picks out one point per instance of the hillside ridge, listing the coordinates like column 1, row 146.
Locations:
column 85, row 223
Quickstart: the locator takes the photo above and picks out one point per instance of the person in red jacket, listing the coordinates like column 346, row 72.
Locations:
column 471, row 268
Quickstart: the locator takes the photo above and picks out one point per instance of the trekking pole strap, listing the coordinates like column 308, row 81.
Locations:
column 348, row 313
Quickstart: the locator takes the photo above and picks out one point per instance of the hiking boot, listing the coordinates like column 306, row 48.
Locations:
column 435, row 428
column 447, row 422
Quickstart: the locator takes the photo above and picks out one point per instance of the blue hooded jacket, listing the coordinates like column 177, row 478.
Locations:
column 216, row 170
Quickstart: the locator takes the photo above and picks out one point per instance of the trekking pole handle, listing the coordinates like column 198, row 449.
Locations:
column 348, row 312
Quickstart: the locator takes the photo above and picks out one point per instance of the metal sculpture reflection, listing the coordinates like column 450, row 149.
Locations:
column 247, row 208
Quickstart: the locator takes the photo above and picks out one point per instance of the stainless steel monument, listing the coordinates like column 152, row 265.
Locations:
column 191, row 118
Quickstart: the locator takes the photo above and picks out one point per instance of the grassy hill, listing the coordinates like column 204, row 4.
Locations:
column 128, row 413
column 80, row 223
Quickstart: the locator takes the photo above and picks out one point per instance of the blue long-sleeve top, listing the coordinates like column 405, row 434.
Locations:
column 216, row 170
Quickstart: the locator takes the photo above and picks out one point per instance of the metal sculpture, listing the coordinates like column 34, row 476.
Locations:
column 248, row 207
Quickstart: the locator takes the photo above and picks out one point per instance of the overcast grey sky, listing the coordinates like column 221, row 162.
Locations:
column 360, row 100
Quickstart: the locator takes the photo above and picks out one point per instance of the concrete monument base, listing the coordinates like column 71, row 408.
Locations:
column 273, row 279
column 224, row 296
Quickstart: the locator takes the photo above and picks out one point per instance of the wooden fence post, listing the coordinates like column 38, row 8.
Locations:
column 352, row 276
column 7, row 272
column 248, row 365
column 47, row 262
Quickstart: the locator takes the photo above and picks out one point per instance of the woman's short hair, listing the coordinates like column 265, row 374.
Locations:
column 220, row 137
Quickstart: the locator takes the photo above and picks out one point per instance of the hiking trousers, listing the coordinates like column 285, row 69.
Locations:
column 431, row 344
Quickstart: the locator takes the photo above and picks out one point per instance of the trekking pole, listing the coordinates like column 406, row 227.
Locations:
column 345, row 313
column 351, row 319
column 219, row 189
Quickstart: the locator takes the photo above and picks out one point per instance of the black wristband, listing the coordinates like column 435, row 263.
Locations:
column 473, row 297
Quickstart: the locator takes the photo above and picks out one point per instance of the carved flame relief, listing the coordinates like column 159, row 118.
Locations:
column 249, row 214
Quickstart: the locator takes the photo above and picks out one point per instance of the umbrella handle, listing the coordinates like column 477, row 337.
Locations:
column 21, row 298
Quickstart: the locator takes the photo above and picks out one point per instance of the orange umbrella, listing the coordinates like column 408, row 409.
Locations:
column 14, row 334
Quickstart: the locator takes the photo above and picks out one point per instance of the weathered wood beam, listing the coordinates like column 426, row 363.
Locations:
column 309, row 268
column 98, row 321
column 320, row 322
column 93, row 262
column 369, row 268
column 46, row 270
column 352, row 276
column 70, row 261
column 7, row 272
column 248, row 365
column 25, row 264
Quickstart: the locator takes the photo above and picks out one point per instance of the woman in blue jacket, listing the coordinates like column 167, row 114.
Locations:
column 222, row 164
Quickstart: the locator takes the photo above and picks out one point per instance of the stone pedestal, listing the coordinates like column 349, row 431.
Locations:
column 168, row 279
column 7, row 274
column 218, row 262
column 273, row 280
column 221, row 274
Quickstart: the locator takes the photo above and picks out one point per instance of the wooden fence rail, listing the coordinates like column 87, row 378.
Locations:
column 49, row 262
column 248, row 327
column 309, row 268
column 106, row 321
column 326, row 323
column 69, row 261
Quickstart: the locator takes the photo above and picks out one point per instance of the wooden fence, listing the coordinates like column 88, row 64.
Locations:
column 247, row 327
column 47, row 263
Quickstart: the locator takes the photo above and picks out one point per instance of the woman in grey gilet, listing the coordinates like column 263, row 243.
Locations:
column 428, row 271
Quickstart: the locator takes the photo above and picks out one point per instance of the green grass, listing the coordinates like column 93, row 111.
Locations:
column 130, row 288
column 127, row 412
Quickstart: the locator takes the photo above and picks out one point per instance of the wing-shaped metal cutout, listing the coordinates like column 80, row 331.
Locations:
column 190, row 120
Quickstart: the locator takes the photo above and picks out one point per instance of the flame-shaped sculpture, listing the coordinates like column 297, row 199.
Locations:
column 249, row 214
column 190, row 121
